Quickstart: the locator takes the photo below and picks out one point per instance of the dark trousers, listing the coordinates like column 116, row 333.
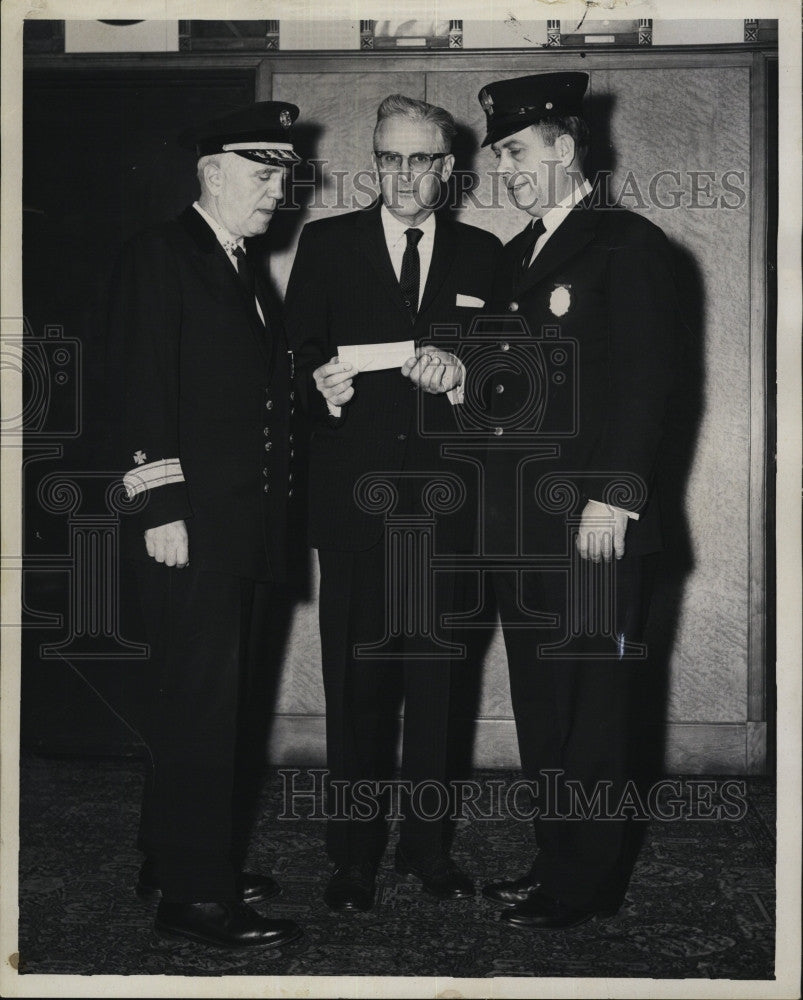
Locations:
column 206, row 635
column 362, row 704
column 572, row 719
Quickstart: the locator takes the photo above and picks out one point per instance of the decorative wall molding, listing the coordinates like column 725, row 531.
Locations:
column 438, row 35
column 758, row 30
column 599, row 33
column 228, row 36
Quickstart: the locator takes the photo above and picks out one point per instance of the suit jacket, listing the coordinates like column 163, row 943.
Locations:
column 202, row 381
column 595, row 358
column 342, row 291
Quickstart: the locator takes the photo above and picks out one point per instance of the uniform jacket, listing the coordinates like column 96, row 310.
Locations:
column 586, row 376
column 342, row 291
column 202, row 381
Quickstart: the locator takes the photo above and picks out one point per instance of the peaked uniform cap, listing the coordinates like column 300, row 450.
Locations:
column 261, row 132
column 511, row 105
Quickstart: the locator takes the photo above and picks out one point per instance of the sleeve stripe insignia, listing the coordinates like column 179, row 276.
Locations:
column 151, row 475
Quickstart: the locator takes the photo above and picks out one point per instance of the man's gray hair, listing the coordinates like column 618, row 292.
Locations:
column 399, row 106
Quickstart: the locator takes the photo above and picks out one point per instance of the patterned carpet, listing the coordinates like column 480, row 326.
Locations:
column 700, row 904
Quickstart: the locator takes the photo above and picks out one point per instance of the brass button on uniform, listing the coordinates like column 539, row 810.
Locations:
column 401, row 437
column 266, row 431
column 265, row 473
column 498, row 432
column 266, row 488
column 513, row 307
column 289, row 493
column 268, row 445
column 499, row 388
column 504, row 346
column 269, row 404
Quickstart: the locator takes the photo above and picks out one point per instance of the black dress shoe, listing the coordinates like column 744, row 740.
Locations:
column 351, row 887
column 227, row 925
column 511, row 893
column 443, row 879
column 542, row 912
column 252, row 888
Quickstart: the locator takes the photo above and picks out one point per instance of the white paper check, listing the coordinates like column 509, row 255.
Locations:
column 376, row 357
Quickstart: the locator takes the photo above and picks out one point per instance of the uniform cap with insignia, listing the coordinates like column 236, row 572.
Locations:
column 511, row 105
column 260, row 132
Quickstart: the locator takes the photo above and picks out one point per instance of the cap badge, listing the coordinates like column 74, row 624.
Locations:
column 487, row 102
column 548, row 105
column 284, row 119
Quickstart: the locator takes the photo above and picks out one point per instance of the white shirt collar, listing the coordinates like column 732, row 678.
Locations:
column 395, row 230
column 226, row 239
column 553, row 218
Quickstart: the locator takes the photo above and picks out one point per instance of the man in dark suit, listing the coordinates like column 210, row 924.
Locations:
column 385, row 276
column 206, row 414
column 587, row 320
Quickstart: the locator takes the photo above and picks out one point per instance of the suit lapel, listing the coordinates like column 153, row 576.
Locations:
column 575, row 232
column 443, row 255
column 221, row 272
column 375, row 248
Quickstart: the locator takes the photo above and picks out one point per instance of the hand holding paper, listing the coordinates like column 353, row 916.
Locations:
column 433, row 370
column 334, row 382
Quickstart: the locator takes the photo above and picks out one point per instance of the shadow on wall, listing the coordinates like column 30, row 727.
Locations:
column 677, row 560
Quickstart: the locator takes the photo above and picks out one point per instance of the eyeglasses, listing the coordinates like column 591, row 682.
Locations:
column 419, row 162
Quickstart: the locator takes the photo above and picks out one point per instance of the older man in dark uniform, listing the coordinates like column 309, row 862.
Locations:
column 207, row 406
column 587, row 323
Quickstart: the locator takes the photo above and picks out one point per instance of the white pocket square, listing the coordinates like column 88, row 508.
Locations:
column 469, row 300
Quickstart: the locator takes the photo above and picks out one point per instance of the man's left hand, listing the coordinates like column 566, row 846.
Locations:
column 433, row 370
column 601, row 533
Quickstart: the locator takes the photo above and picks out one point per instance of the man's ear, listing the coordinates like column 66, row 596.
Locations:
column 213, row 177
column 447, row 168
column 566, row 149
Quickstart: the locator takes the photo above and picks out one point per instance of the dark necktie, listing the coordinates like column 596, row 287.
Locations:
column 245, row 272
column 410, row 277
column 537, row 229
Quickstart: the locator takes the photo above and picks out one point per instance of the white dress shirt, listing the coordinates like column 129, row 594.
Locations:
column 396, row 242
column 229, row 242
column 555, row 216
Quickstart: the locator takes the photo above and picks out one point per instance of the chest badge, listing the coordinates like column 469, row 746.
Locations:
column 560, row 300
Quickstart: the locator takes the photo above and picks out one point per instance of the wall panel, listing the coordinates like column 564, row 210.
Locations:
column 691, row 118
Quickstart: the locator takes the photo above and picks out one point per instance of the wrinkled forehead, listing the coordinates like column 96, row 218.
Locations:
column 403, row 135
